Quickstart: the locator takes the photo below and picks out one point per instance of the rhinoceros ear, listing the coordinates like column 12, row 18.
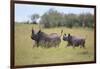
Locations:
column 32, row 30
column 39, row 31
column 69, row 34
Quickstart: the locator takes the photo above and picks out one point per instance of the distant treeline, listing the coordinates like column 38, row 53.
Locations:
column 53, row 18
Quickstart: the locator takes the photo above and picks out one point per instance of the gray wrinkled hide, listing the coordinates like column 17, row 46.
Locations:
column 45, row 40
column 74, row 41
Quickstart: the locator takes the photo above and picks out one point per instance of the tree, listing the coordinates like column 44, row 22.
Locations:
column 34, row 18
column 71, row 20
column 89, row 20
column 51, row 18
column 86, row 20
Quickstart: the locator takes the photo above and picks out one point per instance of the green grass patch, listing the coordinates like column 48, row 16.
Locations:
column 25, row 54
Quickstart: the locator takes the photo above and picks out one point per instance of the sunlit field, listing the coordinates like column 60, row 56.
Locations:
column 25, row 54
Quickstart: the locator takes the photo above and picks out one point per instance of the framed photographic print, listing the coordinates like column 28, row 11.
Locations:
column 51, row 34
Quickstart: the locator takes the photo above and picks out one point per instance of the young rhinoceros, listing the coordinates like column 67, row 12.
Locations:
column 74, row 41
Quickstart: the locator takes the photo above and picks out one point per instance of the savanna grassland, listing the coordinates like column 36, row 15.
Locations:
column 25, row 54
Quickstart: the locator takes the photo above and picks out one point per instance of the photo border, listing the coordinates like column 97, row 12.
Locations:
column 12, row 48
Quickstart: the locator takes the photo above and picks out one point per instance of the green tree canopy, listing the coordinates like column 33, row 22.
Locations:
column 34, row 18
